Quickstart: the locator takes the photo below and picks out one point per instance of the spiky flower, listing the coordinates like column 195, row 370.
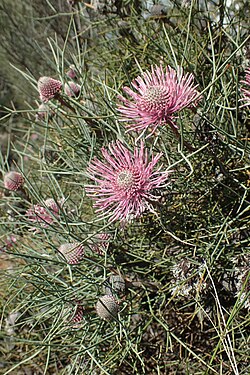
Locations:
column 72, row 252
column 107, row 307
column 158, row 96
column 48, row 88
column 72, row 89
column 13, row 180
column 246, row 90
column 124, row 182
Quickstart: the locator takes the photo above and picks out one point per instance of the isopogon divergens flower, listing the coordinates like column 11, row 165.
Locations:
column 157, row 97
column 124, row 181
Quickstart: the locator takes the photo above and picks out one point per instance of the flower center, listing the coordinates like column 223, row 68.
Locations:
column 125, row 179
column 155, row 98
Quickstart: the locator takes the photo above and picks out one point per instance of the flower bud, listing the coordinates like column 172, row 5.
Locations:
column 107, row 307
column 48, row 88
column 13, row 180
column 72, row 252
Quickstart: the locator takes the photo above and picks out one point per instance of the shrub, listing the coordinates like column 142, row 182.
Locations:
column 180, row 242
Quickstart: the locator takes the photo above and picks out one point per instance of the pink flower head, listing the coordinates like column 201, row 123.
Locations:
column 13, row 180
column 48, row 88
column 159, row 95
column 124, row 182
column 43, row 215
column 72, row 252
column 246, row 91
column 72, row 89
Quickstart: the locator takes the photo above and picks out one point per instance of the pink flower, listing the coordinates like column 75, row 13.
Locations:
column 246, row 91
column 157, row 97
column 43, row 215
column 48, row 88
column 13, row 180
column 124, row 182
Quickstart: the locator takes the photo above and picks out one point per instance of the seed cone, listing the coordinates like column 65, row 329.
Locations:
column 107, row 307
column 13, row 181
